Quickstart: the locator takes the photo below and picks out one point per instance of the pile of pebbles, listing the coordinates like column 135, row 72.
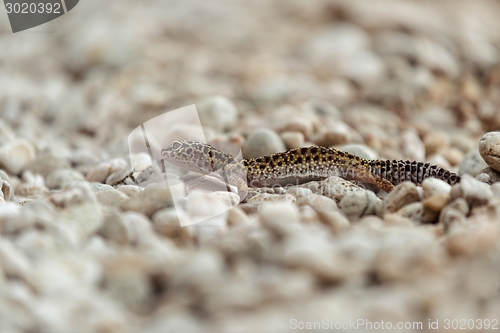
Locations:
column 84, row 247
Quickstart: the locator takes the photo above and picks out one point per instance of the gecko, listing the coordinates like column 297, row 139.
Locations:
column 299, row 165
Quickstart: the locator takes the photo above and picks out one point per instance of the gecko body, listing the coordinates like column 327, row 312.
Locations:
column 299, row 165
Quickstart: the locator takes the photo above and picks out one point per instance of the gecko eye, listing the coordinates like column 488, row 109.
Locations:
column 176, row 145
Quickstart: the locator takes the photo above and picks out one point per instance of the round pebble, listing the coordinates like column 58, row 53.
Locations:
column 434, row 186
column 293, row 139
column 263, row 142
column 360, row 151
column 489, row 149
column 16, row 154
column 402, row 195
column 472, row 163
column 218, row 113
column 60, row 177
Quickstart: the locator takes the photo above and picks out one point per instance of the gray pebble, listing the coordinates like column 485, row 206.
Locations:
column 217, row 112
column 263, row 142
column 472, row 163
column 45, row 163
column 6, row 189
column 60, row 177
column 417, row 213
column 472, row 190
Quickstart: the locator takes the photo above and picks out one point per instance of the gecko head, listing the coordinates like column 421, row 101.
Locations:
column 190, row 155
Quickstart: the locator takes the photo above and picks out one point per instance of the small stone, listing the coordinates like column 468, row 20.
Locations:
column 149, row 175
column 148, row 201
column 358, row 204
column 298, row 192
column 111, row 198
column 402, row 195
column 436, row 56
column 121, row 177
column 436, row 203
column 293, row 139
column 439, row 160
column 85, row 218
column 338, row 133
column 228, row 199
column 98, row 187
column 488, row 175
column 334, row 187
column 73, row 194
column 473, row 238
column 281, row 218
column 495, row 189
column 45, row 163
column 139, row 228
column 360, row 151
column 318, row 202
column 308, row 215
column 174, row 321
column 434, row 186
column 266, row 197
column 166, row 223
column 32, row 186
column 104, row 169
column 88, row 156
column 114, row 229
column 472, row 163
column 473, row 191
column 6, row 188
column 6, row 133
column 208, row 208
column 15, row 155
column 489, row 149
column 333, row 219
column 60, row 177
column 127, row 281
column 12, row 261
column 217, row 112
column 263, row 142
column 412, row 146
column 435, row 142
column 290, row 122
column 129, row 190
column 237, row 217
column 453, row 155
column 417, row 213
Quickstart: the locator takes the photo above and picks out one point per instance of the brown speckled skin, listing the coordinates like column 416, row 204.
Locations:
column 298, row 166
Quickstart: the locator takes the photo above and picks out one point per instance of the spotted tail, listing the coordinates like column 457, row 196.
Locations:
column 400, row 171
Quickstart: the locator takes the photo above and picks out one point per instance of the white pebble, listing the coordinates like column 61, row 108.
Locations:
column 434, row 186
column 360, row 151
column 280, row 217
column 217, row 112
column 472, row 163
column 489, row 148
column 293, row 139
column 472, row 190
column 402, row 195
column 263, row 142
column 16, row 154
column 60, row 177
